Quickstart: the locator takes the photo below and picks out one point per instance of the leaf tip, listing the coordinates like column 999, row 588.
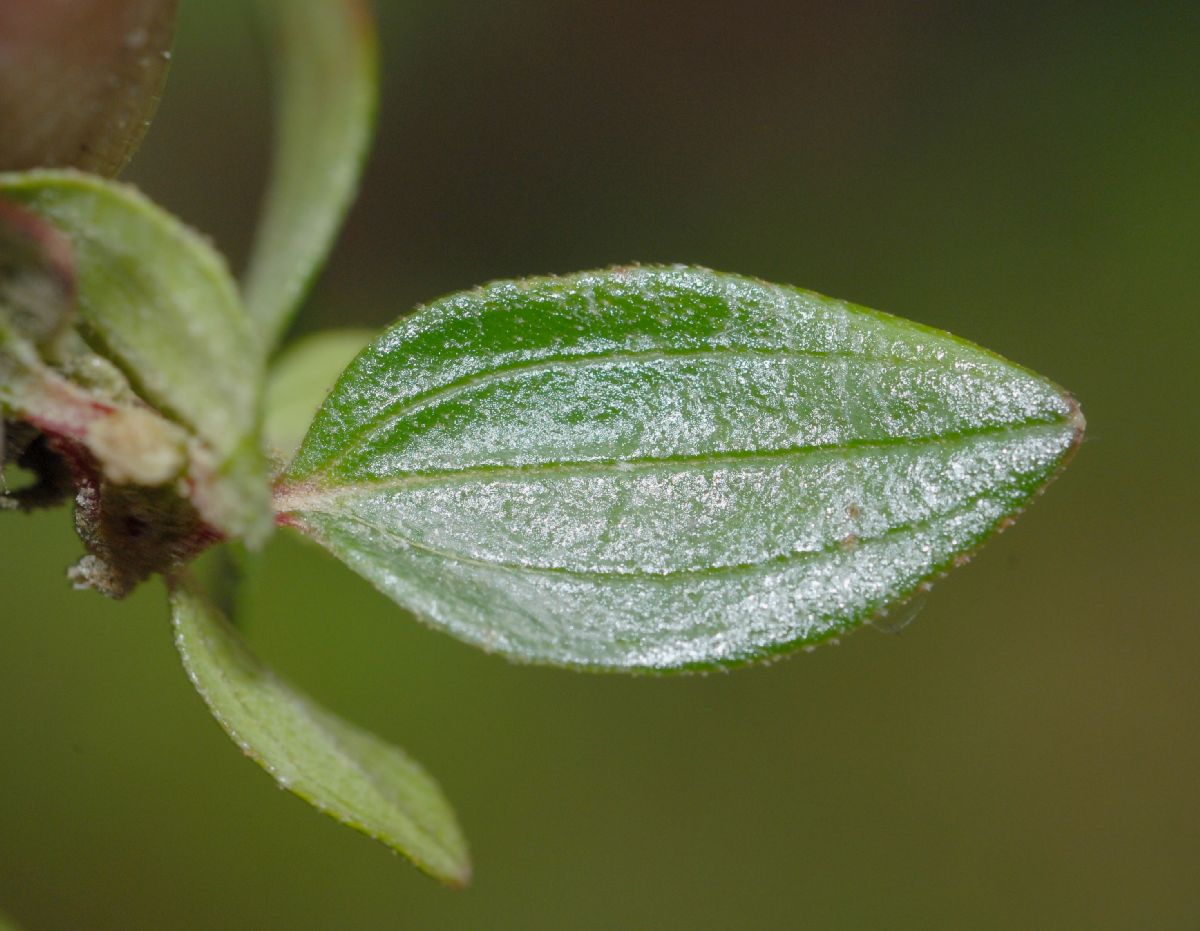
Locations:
column 461, row 876
column 1077, row 420
column 1077, row 424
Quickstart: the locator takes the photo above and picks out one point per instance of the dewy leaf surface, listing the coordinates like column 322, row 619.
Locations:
column 326, row 87
column 156, row 299
column 663, row 468
column 344, row 771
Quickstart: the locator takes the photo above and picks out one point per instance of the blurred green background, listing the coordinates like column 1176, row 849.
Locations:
column 1026, row 754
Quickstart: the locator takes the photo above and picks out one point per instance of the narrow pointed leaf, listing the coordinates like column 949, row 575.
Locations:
column 155, row 299
column 663, row 468
column 79, row 81
column 344, row 771
column 325, row 87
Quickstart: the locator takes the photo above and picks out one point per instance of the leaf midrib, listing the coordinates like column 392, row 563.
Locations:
column 775, row 562
column 394, row 413
column 309, row 495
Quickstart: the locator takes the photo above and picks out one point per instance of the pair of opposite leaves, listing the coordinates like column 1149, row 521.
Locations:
column 635, row 469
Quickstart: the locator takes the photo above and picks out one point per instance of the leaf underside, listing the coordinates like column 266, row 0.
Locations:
column 666, row 468
column 344, row 771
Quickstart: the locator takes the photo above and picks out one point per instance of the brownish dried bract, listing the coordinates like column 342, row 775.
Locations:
column 131, row 532
column 80, row 80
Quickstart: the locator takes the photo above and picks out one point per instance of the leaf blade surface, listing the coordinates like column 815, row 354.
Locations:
column 662, row 468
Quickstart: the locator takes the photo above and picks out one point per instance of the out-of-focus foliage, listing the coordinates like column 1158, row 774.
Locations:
column 80, row 80
column 325, row 88
column 159, row 303
column 346, row 772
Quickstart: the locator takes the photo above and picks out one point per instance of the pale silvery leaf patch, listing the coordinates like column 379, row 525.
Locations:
column 666, row 468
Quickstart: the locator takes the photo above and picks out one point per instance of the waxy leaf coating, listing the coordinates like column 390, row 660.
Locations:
column 346, row 772
column 665, row 468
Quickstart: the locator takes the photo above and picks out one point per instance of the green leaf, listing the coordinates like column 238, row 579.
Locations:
column 665, row 468
column 79, row 82
column 326, row 89
column 299, row 381
column 155, row 299
column 340, row 769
